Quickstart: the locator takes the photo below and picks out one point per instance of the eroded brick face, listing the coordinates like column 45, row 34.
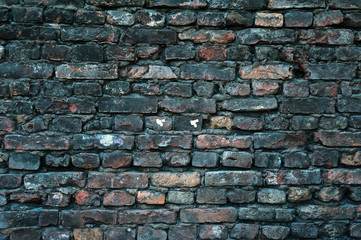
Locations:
column 180, row 119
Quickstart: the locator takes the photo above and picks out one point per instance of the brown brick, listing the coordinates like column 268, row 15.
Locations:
column 339, row 139
column 218, row 141
column 118, row 198
column 117, row 180
column 168, row 179
column 87, row 233
column 212, row 53
column 150, row 197
column 342, row 176
column 269, row 19
column 276, row 71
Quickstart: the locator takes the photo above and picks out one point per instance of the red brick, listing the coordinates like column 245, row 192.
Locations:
column 57, row 199
column 181, row 18
column 25, row 197
column 204, row 36
column 262, row 87
column 85, row 198
column 276, row 71
column 120, row 53
column 150, row 197
column 147, row 216
column 293, row 177
column 342, row 176
column 118, row 198
column 279, row 140
column 330, row 36
column 117, row 180
column 218, row 141
column 116, row 159
column 212, row 53
column 210, row 215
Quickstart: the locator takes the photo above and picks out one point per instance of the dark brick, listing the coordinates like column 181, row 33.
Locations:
column 178, row 89
column 78, row 3
column 325, row 158
column 345, row 4
column 267, row 53
column 93, row 53
column 67, row 124
column 24, row 161
column 330, row 36
column 114, row 233
column 177, row 105
column 150, row 36
column 186, row 123
column 57, row 199
column 23, row 52
column 150, row 18
column 304, row 230
column 87, row 71
column 53, row 180
column 7, row 124
column 298, row 19
column 314, row 212
column 87, row 89
column 16, row 107
column 27, row 14
column 272, row 36
column 17, row 32
column 212, row 53
column 147, row 216
column 237, row 159
column 127, row 104
column 24, row 89
column 327, row 18
column 241, row 196
column 238, row 53
column 117, row 88
column 245, row 231
column 147, row 142
column 213, row 232
column 116, row 159
column 116, row 3
column 102, row 141
column 324, row 89
column 176, row 159
column 25, row 234
column 355, row 121
column 293, row 177
column 303, row 123
column 349, row 105
column 342, row 176
column 87, row 34
column 9, row 181
column 333, row 123
column 207, row 72
column 120, row 53
column 285, row 4
column 193, row 4
column 219, row 141
column 36, row 142
column 4, row 15
column 238, row 89
column 26, row 70
column 298, row 88
column 297, row 194
column 149, row 89
column 207, row 36
column 179, row 52
column 308, row 106
column 158, row 123
column 12, row 219
column 57, row 15
column 268, row 159
column 99, row 180
column 322, row 53
column 239, row 18
column 274, row 232
column 248, row 4
column 339, row 139
column 204, row 159
column 355, row 194
column 352, row 19
column 120, row 18
column 204, row 89
column 131, row 123
column 54, row 161
column 296, row 160
column 330, row 71
column 56, row 233
column 232, row 178
column 148, row 52
column 64, row 106
column 211, row 19
column 250, row 104
column 90, row 17
column 56, row 52
column 210, row 215
column 79, row 218
column 147, row 159
column 85, row 160
column 182, row 232
column 211, row 196
column 148, row 233
column 181, row 18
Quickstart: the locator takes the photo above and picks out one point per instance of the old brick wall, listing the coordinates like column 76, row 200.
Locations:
column 180, row 119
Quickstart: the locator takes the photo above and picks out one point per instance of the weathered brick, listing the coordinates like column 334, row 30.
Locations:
column 128, row 104
column 293, row 177
column 330, row 36
column 90, row 17
column 179, row 52
column 207, row 72
column 274, row 232
column 7, row 124
column 182, row 232
column 298, row 159
column 36, row 142
column 272, row 36
column 278, row 71
column 87, row 34
column 285, row 4
column 57, row 15
column 326, row 18
column 25, row 197
column 248, row 4
column 146, row 142
column 239, row 18
column 116, row 3
column 195, row 105
column 150, row 18
column 102, row 141
column 147, row 159
column 117, row 180
column 85, row 160
column 250, row 104
column 147, row 233
column 325, row 158
column 207, row 36
column 120, row 53
column 271, row 196
column 118, row 198
column 26, row 70
column 210, row 215
column 245, row 231
column 330, row 71
column 345, row 4
column 211, row 196
column 168, row 179
column 204, row 159
column 212, row 53
column 87, row 233
column 19, row 32
column 212, row 232
column 131, row 123
column 85, row 198
column 181, row 18
column 221, row 122
column 193, row 4
column 57, row 199
column 24, row 161
column 303, row 123
column 297, row 194
column 150, row 72
column 53, row 180
column 342, row 176
column 117, row 88
column 238, row 89
column 77, row 3
column 114, row 233
column 298, row 19
column 54, row 161
column 211, row 19
column 27, row 14
column 339, row 139
column 151, row 36
column 267, row 159
column 355, row 230
column 304, row 230
column 176, row 159
column 308, row 106
column 298, row 88
column 279, row 140
column 257, row 213
column 218, row 141
column 56, row 233
column 237, row 159
column 87, row 71
column 120, row 18
column 9, row 181
column 27, row 218
column 269, row 19
column 348, row 105
column 351, row 160
column 66, row 124
column 16, row 107
column 314, row 212
column 233, row 178
column 79, row 218
column 146, row 216
column 241, row 196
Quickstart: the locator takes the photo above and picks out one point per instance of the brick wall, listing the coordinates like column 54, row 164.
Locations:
column 180, row 119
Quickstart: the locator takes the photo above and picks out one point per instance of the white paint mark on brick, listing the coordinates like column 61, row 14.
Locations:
column 160, row 122
column 194, row 123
